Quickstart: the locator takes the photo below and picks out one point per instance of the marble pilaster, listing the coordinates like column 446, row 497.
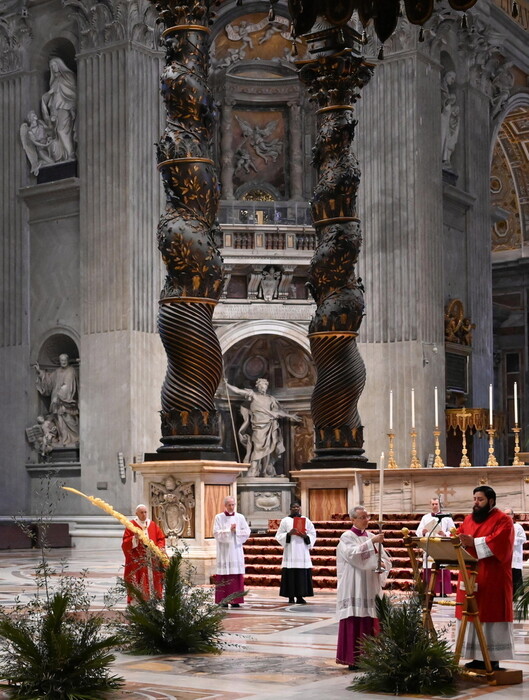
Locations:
column 401, row 261
column 296, row 153
column 121, row 355
column 14, row 290
column 227, row 151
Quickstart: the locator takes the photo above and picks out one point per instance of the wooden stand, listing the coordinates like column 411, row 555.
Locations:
column 448, row 551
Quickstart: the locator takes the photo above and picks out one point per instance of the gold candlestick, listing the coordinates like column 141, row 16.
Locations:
column 415, row 464
column 438, row 462
column 492, row 461
column 391, row 453
column 465, row 462
column 516, row 431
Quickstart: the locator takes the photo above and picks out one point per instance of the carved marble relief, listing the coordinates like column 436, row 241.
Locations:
column 303, row 440
column 254, row 36
column 15, row 36
column 259, row 144
column 107, row 22
column 173, row 504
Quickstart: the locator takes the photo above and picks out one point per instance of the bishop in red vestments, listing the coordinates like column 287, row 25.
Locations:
column 141, row 569
column 488, row 534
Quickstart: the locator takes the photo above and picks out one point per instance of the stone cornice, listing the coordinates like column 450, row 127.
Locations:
column 107, row 22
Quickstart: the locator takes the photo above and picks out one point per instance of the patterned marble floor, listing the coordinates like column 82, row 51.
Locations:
column 273, row 651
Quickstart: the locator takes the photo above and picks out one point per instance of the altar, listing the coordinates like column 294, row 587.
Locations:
column 326, row 492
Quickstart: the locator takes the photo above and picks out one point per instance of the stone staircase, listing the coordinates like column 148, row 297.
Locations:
column 263, row 553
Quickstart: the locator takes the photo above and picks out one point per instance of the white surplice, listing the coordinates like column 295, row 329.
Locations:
column 358, row 584
column 230, row 555
column 296, row 552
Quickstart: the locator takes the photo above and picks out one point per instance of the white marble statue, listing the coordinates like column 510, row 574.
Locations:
column 61, row 385
column 52, row 139
column 43, row 436
column 36, row 138
column 450, row 117
column 58, row 106
column 265, row 444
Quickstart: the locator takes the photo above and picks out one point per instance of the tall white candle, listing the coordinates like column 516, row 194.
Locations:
column 381, row 489
column 391, row 411
column 436, row 404
column 515, row 403
column 490, row 404
column 412, row 409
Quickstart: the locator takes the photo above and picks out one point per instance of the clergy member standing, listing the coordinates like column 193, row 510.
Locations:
column 357, row 559
column 296, row 534
column 141, row 568
column 520, row 537
column 433, row 526
column 488, row 534
column 231, row 531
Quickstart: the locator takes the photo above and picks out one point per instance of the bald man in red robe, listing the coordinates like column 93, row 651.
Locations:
column 488, row 534
column 142, row 569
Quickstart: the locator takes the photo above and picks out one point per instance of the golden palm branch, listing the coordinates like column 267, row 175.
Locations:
column 140, row 534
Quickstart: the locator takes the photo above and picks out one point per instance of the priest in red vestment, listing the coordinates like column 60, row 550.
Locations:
column 141, row 568
column 488, row 534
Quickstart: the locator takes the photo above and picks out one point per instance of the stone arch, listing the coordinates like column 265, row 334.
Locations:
column 57, row 344
column 509, row 176
column 246, row 329
column 278, row 352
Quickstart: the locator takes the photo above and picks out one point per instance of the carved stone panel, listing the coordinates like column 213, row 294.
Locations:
column 173, row 504
column 259, row 145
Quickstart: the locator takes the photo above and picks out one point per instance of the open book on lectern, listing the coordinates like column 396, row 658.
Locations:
column 442, row 550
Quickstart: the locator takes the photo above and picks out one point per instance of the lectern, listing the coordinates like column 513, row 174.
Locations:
column 449, row 552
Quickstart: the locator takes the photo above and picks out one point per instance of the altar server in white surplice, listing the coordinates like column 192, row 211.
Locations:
column 230, row 531
column 296, row 568
column 359, row 582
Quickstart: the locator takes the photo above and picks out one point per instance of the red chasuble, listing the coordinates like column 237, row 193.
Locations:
column 142, row 569
column 494, row 580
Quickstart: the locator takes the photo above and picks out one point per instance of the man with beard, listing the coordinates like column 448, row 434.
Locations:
column 488, row 534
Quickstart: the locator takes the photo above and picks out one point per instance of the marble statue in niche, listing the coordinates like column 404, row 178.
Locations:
column 264, row 445
column 51, row 139
column 450, row 117
column 61, row 385
column 173, row 505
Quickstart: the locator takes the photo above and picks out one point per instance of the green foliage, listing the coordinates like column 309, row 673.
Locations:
column 521, row 601
column 185, row 620
column 405, row 658
column 52, row 647
column 56, row 653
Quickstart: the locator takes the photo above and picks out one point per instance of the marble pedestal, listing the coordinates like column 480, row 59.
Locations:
column 262, row 499
column 327, row 492
column 208, row 482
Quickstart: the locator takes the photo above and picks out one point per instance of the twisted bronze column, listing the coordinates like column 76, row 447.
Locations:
column 186, row 233
column 334, row 81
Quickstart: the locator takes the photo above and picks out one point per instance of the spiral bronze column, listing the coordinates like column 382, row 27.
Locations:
column 186, row 234
column 334, row 80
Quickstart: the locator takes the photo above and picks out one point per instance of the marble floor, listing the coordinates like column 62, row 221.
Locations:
column 273, row 651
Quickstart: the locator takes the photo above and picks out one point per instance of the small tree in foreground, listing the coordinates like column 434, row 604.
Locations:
column 184, row 620
column 54, row 649
column 405, row 658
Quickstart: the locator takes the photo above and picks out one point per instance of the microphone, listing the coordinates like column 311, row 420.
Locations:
column 440, row 516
